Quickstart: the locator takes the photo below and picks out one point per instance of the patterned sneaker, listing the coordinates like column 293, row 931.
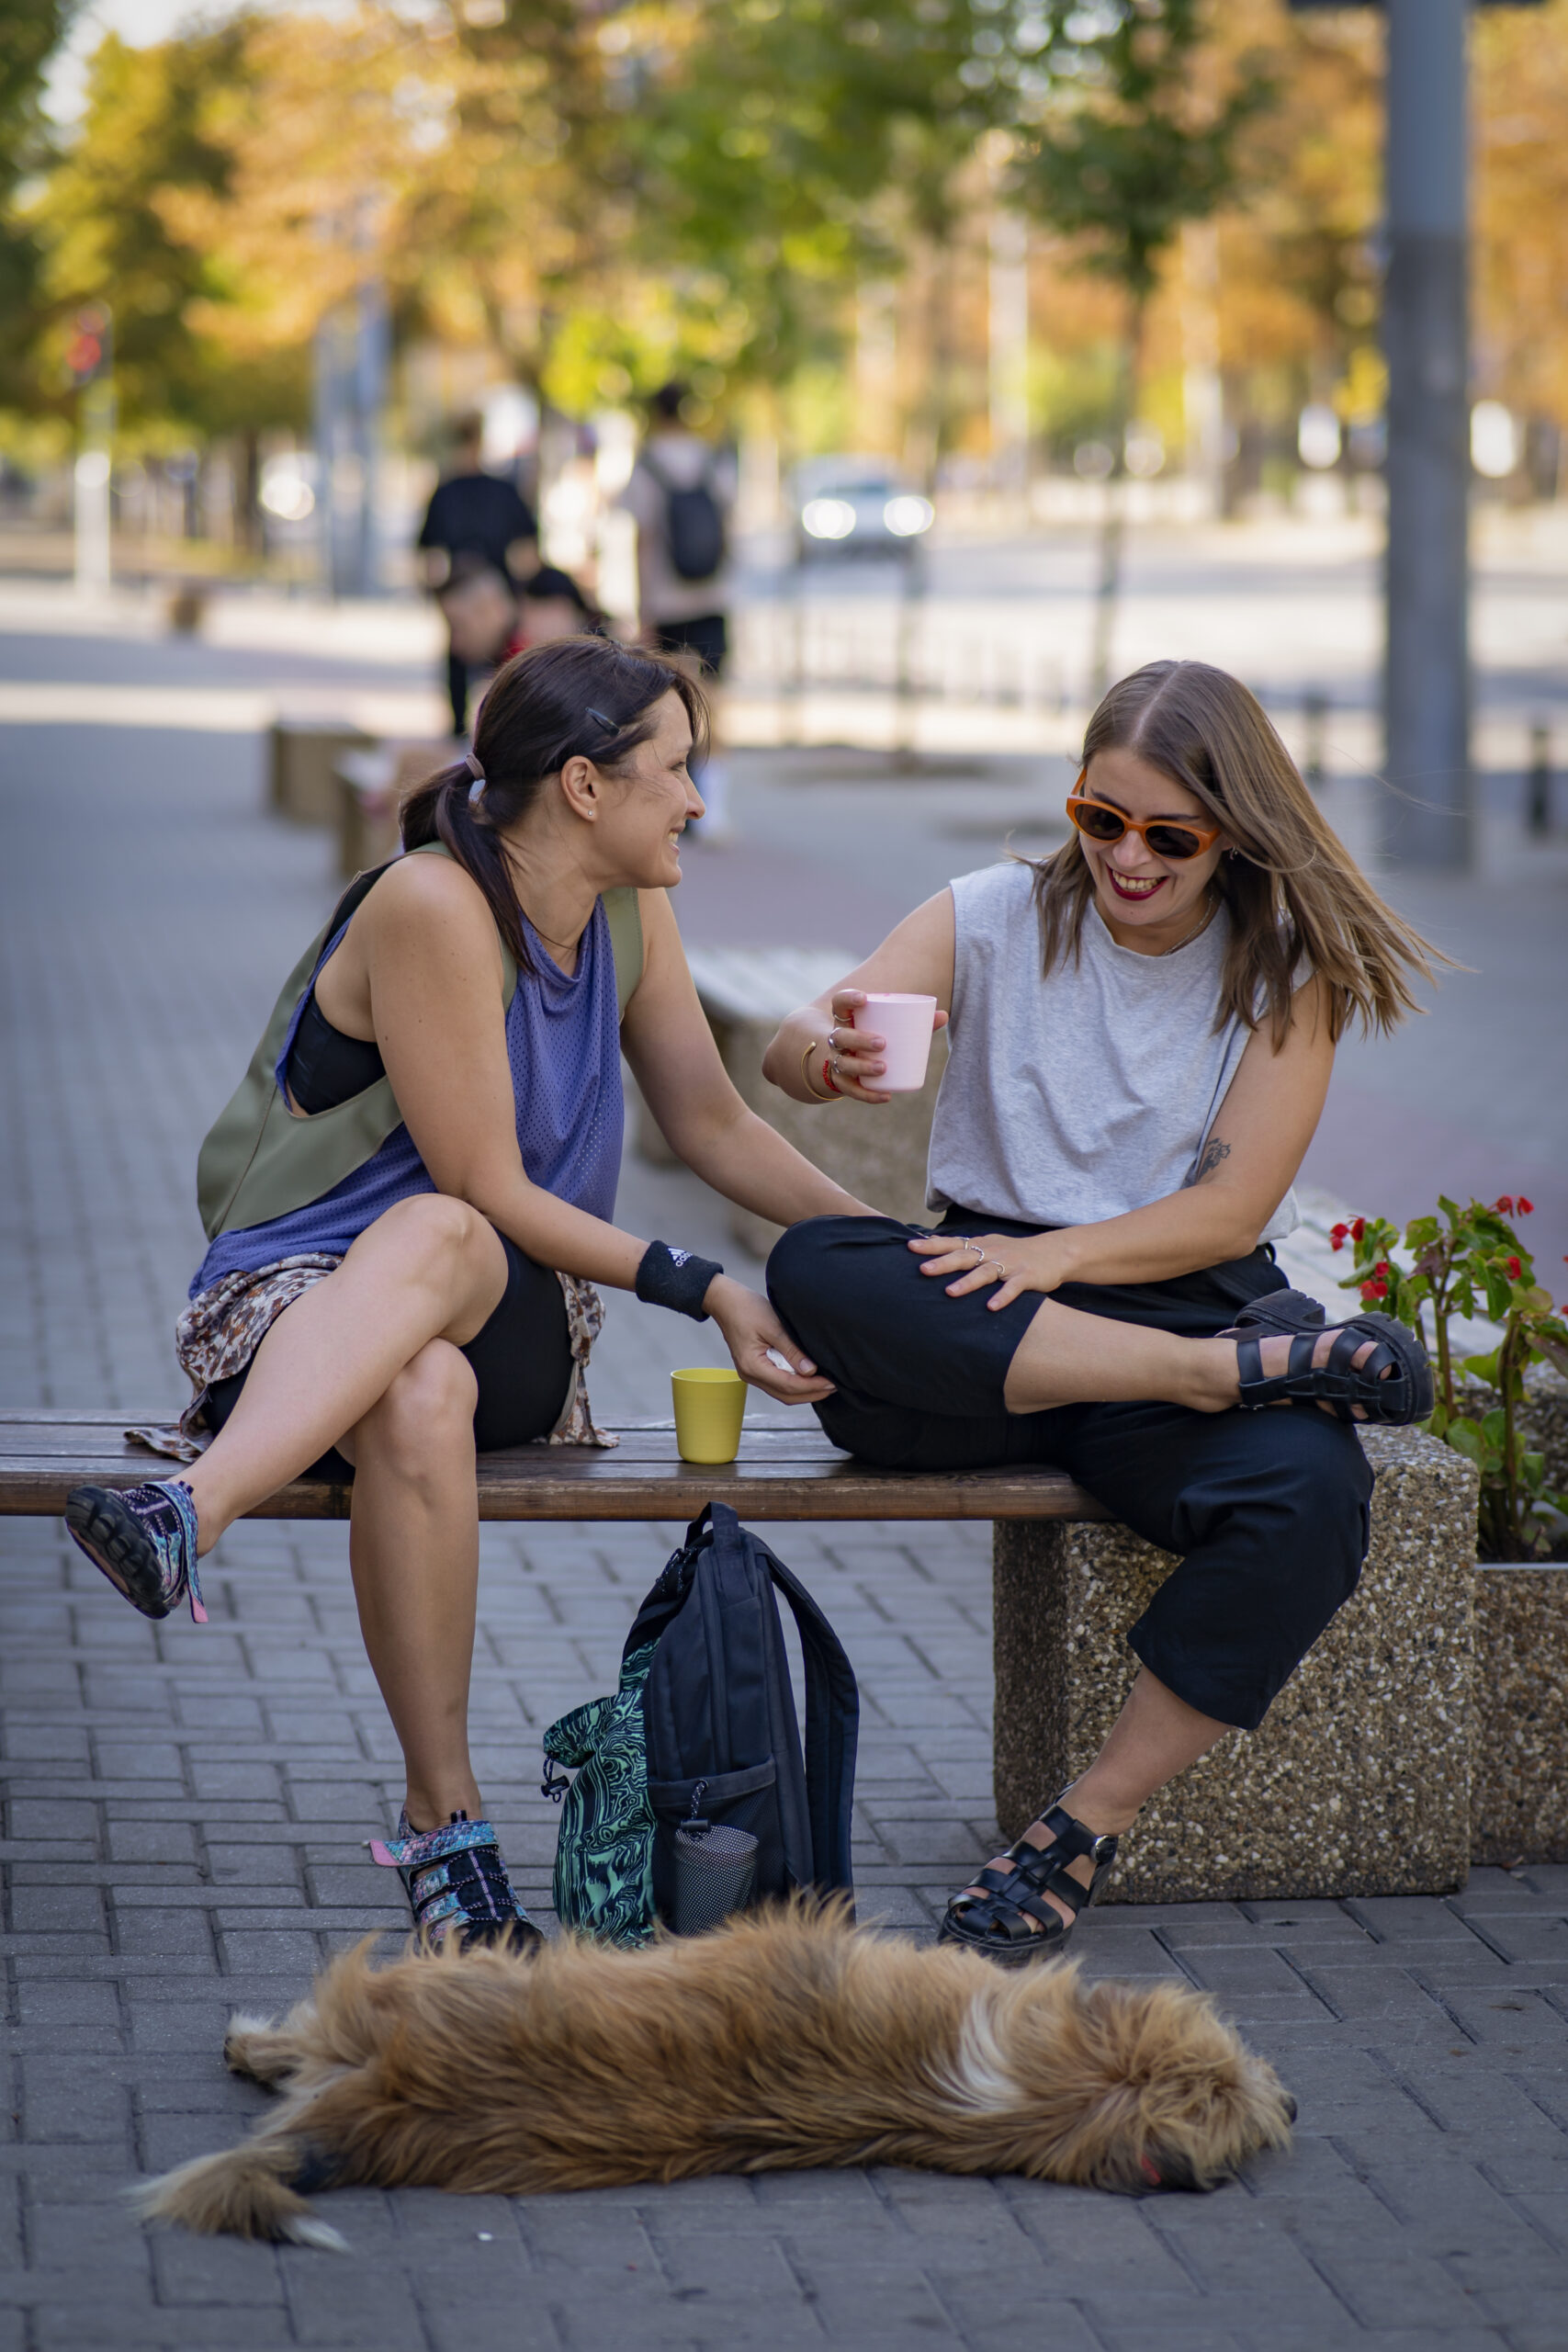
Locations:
column 457, row 1883
column 144, row 1538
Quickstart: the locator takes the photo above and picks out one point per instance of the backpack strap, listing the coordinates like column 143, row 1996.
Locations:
column 622, row 912
column 833, row 1713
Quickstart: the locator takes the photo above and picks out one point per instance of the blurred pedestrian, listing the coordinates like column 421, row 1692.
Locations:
column 553, row 605
column 682, row 497
column 479, row 538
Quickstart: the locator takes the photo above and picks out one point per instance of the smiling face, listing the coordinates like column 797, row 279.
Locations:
column 649, row 804
column 1149, row 903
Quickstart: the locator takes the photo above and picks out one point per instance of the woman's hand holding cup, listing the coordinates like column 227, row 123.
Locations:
column 858, row 1050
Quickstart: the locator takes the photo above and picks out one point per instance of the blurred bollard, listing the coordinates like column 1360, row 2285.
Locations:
column 302, row 782
column 1315, row 720
column 187, row 608
column 372, row 786
column 1538, row 791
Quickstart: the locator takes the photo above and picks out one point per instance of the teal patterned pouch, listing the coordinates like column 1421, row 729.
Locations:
column 604, row 1884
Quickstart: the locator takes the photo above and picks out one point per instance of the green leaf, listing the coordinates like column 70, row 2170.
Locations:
column 1484, row 1368
column 1465, row 1437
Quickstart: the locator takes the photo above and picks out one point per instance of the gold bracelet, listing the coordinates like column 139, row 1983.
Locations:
column 806, row 1073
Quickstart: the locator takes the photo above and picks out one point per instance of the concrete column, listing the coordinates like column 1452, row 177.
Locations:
column 1426, row 340
column 1358, row 1782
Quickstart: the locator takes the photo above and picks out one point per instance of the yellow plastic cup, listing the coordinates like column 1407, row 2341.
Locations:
column 710, row 1405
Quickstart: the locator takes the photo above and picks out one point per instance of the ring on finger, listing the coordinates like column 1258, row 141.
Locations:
column 980, row 1253
column 1001, row 1270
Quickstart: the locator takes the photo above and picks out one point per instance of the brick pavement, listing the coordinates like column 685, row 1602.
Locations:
column 184, row 1812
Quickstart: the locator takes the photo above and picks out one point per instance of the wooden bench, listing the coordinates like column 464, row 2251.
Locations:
column 781, row 1474
column 1359, row 1782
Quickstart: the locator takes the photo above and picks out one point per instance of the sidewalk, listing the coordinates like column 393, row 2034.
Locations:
column 186, row 1809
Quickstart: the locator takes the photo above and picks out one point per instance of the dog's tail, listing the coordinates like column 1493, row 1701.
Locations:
column 251, row 2191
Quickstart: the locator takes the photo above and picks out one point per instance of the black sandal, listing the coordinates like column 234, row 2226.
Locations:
column 997, row 1922
column 1406, row 1395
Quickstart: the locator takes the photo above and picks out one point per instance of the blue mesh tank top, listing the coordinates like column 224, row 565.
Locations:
column 564, row 1045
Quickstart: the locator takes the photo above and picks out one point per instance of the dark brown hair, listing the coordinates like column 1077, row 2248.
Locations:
column 575, row 696
column 1293, row 889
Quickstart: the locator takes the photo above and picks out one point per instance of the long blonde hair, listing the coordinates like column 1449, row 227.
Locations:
column 1292, row 890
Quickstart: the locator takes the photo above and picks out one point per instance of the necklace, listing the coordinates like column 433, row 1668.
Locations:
column 566, row 945
column 1197, row 931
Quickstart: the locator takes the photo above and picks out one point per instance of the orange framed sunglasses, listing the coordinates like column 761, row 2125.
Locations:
column 1166, row 837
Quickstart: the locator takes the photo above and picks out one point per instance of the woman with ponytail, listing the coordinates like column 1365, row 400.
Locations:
column 410, row 1197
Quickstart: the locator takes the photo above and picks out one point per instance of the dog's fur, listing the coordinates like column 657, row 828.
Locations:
column 787, row 2039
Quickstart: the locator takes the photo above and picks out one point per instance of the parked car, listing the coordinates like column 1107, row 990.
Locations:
column 855, row 507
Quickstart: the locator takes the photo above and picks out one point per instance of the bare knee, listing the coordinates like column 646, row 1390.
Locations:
column 443, row 1246
column 424, row 1421
column 436, row 1226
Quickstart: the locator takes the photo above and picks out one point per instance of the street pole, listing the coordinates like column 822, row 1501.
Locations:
column 90, row 362
column 1426, row 342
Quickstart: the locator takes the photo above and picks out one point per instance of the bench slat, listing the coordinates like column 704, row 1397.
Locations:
column 781, row 1474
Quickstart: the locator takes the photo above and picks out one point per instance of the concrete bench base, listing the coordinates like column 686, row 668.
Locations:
column 1359, row 1782
column 1520, row 1807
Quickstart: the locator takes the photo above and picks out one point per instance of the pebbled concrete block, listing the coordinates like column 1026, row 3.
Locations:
column 1358, row 1782
column 1520, row 1802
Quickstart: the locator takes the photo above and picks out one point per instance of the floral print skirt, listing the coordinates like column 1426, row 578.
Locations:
column 225, row 1324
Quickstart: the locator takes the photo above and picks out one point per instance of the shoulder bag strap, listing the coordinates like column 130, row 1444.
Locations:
column 622, row 911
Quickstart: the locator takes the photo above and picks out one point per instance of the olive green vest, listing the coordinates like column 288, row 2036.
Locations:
column 261, row 1160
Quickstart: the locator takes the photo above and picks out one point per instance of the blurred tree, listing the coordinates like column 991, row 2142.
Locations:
column 30, row 30
column 775, row 153
column 1522, row 228
column 1128, row 130
column 122, row 221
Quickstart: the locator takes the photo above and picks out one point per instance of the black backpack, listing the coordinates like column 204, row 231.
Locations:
column 705, row 1711
column 694, row 525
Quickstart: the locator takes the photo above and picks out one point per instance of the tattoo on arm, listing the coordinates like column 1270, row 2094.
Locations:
column 1214, row 1152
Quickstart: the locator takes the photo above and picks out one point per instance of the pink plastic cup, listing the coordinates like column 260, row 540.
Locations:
column 905, row 1021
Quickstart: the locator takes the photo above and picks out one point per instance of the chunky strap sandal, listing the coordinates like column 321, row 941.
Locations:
column 998, row 1921
column 456, row 1884
column 1406, row 1394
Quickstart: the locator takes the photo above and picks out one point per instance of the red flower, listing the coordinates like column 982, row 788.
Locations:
column 1372, row 1292
column 1380, row 1270
column 1514, row 1269
column 1525, row 1208
column 1337, row 1237
column 1503, row 1204
column 1359, row 1228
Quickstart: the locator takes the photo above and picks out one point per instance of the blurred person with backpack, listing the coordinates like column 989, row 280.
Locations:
column 479, row 537
column 682, row 497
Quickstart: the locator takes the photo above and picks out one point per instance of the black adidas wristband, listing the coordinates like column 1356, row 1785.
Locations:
column 675, row 1278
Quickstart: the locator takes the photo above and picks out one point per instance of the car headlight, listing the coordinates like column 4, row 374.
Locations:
column 828, row 518
column 907, row 516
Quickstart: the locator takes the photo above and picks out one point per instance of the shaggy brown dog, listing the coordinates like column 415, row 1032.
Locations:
column 787, row 2039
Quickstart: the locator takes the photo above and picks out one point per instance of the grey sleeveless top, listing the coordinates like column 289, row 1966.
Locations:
column 1073, row 1099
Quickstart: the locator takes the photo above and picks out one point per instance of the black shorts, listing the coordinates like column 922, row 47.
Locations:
column 707, row 637
column 522, row 1360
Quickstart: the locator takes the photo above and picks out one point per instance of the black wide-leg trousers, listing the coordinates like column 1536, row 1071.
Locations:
column 1267, row 1511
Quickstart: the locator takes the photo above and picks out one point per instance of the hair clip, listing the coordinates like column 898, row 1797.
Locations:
column 610, row 725
column 477, row 785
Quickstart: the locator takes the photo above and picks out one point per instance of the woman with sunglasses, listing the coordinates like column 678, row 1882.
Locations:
column 1141, row 1031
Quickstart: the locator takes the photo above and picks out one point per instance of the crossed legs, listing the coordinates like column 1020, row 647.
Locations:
column 370, row 1360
